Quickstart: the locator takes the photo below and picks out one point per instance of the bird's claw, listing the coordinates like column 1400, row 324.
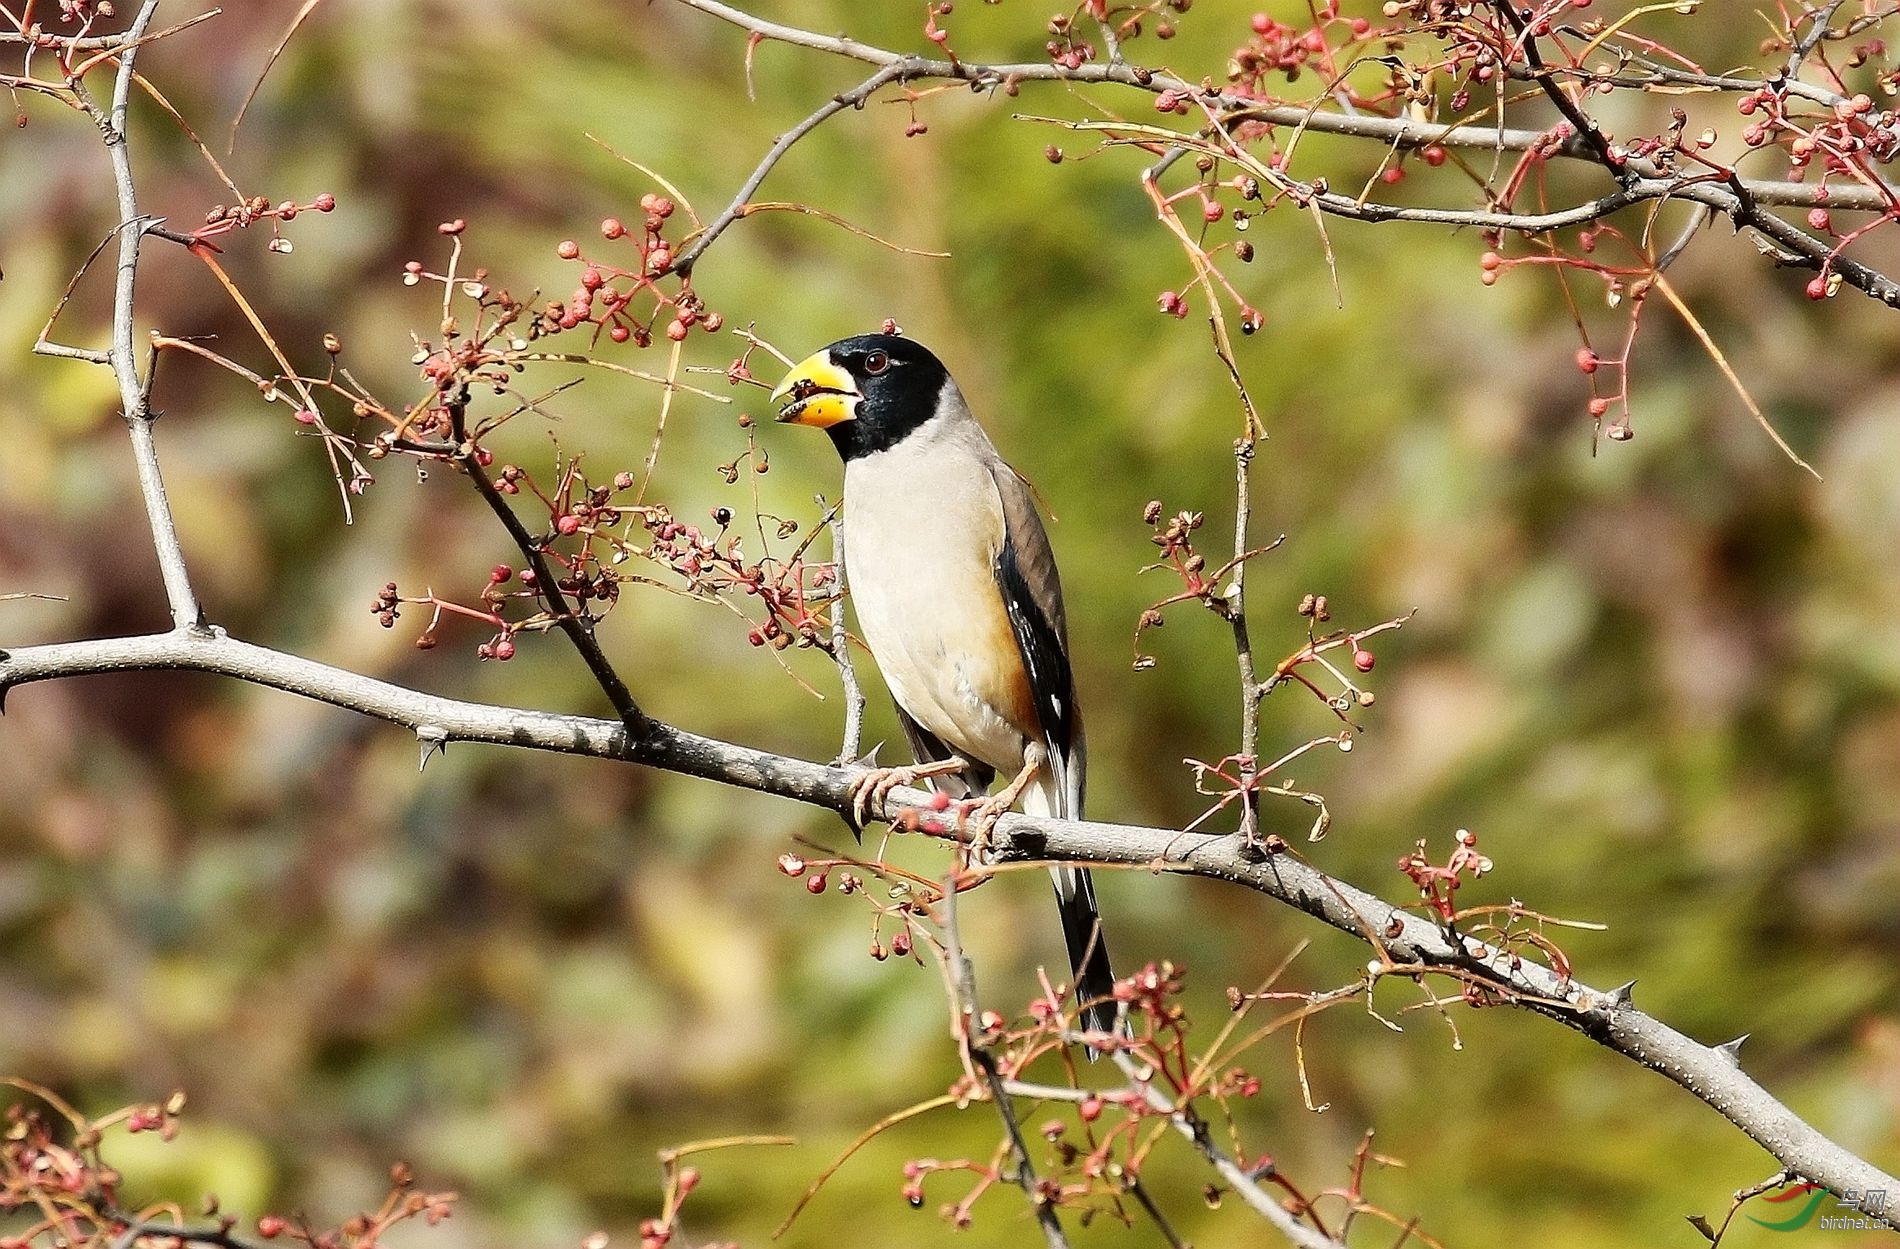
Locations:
column 978, row 816
column 870, row 788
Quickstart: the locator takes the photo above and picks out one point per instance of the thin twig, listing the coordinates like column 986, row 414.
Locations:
column 1191, row 1126
column 1139, row 1192
column 853, row 741
column 960, row 975
column 1235, row 597
column 578, row 629
column 854, row 98
column 183, row 601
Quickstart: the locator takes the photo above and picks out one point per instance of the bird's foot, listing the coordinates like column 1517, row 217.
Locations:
column 870, row 788
column 976, row 820
column 979, row 818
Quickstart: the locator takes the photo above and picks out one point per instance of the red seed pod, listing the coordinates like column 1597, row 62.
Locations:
column 568, row 250
column 815, row 883
column 568, row 524
column 500, row 574
column 610, row 228
column 270, row 1227
column 1587, row 360
column 325, row 202
column 1090, row 1110
column 504, row 648
column 900, row 944
column 1363, row 660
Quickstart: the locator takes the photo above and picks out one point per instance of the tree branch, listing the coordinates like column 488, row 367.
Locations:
column 1407, row 943
column 854, row 98
column 132, row 393
column 1402, row 132
column 1742, row 200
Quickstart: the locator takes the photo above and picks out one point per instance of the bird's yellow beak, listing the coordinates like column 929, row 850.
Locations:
column 816, row 393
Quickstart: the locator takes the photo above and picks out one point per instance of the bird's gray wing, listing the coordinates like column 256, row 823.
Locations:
column 1032, row 593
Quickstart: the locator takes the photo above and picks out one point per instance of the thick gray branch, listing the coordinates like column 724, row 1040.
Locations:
column 1406, row 941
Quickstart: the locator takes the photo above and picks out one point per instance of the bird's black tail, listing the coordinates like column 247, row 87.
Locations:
column 1088, row 948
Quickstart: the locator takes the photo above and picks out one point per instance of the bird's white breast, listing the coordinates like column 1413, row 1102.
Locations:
column 922, row 525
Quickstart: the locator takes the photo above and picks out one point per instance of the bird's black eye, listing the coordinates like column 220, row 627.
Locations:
column 876, row 363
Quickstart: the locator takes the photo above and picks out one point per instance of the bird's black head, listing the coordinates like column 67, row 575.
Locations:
column 867, row 392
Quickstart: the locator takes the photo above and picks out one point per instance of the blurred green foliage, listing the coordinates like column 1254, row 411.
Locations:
column 1658, row 679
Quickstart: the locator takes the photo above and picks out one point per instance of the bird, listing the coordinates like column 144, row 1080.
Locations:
column 957, row 597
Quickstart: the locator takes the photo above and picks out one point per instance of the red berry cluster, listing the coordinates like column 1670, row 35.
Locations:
column 907, row 904
column 1091, row 1155
column 1207, row 209
column 1438, row 883
column 1175, row 536
column 222, row 219
column 1067, row 47
column 54, row 1176
column 607, row 293
column 1070, row 45
column 1284, row 49
column 794, row 592
column 680, row 1182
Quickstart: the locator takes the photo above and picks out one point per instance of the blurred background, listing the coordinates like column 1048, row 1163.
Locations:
column 1658, row 678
